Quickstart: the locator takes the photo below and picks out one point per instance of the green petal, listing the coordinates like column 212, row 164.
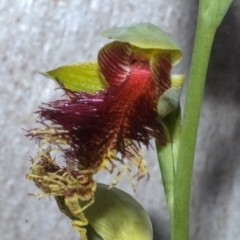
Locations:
column 78, row 77
column 145, row 36
column 117, row 215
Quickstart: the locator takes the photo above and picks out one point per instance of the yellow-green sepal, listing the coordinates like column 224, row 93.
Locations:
column 80, row 77
column 145, row 36
column 117, row 215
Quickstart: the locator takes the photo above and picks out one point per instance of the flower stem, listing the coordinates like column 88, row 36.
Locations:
column 182, row 183
column 210, row 16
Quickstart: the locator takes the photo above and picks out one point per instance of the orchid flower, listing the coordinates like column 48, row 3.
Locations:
column 110, row 107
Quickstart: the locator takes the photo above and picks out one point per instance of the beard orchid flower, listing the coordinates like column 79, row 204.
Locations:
column 110, row 108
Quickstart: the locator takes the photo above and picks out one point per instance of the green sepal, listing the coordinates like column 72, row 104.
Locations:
column 117, row 215
column 166, row 163
column 145, row 36
column 168, row 154
column 80, row 77
column 170, row 116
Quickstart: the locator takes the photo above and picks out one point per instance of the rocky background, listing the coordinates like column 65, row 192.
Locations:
column 42, row 35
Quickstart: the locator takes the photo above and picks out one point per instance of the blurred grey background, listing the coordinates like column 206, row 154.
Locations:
column 42, row 35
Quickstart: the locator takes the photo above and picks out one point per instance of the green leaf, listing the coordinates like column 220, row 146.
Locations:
column 79, row 77
column 117, row 215
column 145, row 36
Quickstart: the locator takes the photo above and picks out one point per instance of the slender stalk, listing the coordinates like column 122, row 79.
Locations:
column 210, row 15
column 182, row 183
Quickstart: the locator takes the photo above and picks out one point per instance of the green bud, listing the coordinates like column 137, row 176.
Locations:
column 113, row 215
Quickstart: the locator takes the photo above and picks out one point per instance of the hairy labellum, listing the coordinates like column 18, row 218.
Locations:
column 96, row 127
column 109, row 109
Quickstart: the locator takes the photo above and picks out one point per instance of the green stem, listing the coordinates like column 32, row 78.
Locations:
column 182, row 183
column 210, row 15
column 177, row 177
